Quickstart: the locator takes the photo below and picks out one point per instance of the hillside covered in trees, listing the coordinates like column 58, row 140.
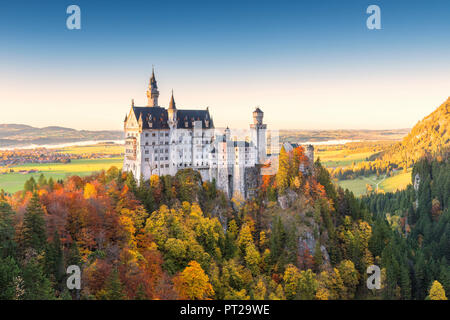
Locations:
column 416, row 225
column 176, row 237
column 429, row 137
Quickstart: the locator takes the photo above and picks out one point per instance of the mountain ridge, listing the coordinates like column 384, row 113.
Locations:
column 17, row 135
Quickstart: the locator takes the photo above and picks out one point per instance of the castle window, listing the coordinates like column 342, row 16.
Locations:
column 146, row 151
column 153, row 134
column 146, row 159
column 146, row 135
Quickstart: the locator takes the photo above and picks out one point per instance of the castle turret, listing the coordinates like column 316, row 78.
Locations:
column 152, row 91
column 258, row 130
column 227, row 134
column 172, row 111
column 258, row 116
column 140, row 123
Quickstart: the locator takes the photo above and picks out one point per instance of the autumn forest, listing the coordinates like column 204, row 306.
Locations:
column 176, row 237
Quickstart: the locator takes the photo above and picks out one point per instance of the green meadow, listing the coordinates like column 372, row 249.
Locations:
column 14, row 181
column 341, row 158
column 398, row 181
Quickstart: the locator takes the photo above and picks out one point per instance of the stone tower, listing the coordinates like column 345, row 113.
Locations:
column 152, row 91
column 258, row 130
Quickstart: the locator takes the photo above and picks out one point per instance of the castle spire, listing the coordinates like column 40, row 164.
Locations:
column 152, row 91
column 172, row 104
column 153, row 79
column 172, row 112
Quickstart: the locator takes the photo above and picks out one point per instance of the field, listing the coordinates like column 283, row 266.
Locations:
column 334, row 156
column 340, row 158
column 398, row 181
column 103, row 148
column 12, row 182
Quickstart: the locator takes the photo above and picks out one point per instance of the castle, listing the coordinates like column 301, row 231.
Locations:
column 162, row 141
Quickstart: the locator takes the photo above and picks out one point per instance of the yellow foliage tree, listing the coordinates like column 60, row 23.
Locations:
column 252, row 259
column 322, row 294
column 245, row 238
column 282, row 177
column 193, row 283
column 259, row 292
column 90, row 191
column 350, row 277
column 437, row 292
column 291, row 279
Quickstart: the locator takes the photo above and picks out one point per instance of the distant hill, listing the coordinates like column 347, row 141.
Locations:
column 429, row 136
column 19, row 135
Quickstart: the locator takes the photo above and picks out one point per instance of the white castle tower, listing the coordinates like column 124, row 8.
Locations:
column 258, row 130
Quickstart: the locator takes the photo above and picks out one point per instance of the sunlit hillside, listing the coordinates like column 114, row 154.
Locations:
column 428, row 137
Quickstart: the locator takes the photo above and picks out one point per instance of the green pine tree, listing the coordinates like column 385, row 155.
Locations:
column 34, row 231
column 37, row 285
column 7, row 232
column 9, row 273
column 113, row 287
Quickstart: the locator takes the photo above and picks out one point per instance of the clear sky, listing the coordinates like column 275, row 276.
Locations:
column 307, row 64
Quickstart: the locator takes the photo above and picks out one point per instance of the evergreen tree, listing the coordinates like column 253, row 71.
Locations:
column 113, row 287
column 34, row 232
column 74, row 257
column 37, row 286
column 30, row 185
column 42, row 181
column 54, row 261
column 277, row 239
column 9, row 273
column 7, row 232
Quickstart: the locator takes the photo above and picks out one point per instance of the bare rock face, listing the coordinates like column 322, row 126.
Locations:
column 221, row 214
column 325, row 255
column 286, row 200
column 283, row 202
column 307, row 241
column 416, row 182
